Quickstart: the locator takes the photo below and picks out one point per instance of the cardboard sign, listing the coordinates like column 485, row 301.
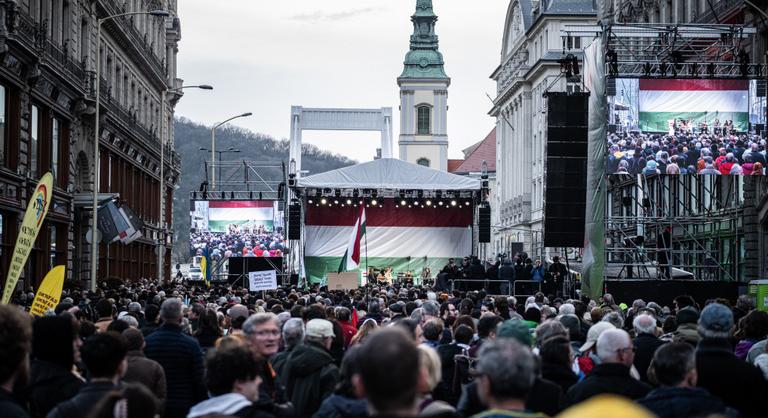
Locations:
column 262, row 280
column 343, row 281
column 49, row 292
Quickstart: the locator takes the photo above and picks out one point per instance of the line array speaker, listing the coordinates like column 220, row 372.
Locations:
column 484, row 224
column 294, row 221
column 566, row 178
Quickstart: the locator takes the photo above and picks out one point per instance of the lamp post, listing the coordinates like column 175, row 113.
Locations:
column 96, row 168
column 213, row 145
column 163, row 135
column 231, row 150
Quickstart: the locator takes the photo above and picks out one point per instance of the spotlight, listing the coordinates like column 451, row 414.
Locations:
column 335, row 202
column 310, row 201
column 349, row 201
column 440, row 203
column 416, row 203
column 374, row 202
column 453, row 203
column 323, row 201
column 467, row 203
column 429, row 203
column 360, row 202
column 403, row 202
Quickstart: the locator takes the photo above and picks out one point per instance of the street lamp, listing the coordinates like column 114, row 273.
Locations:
column 213, row 145
column 232, row 150
column 160, row 250
column 95, row 186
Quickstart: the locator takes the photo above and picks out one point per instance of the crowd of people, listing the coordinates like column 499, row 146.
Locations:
column 237, row 244
column 505, row 270
column 146, row 350
column 684, row 153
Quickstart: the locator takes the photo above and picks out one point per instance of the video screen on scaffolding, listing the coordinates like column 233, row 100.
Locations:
column 248, row 228
column 674, row 126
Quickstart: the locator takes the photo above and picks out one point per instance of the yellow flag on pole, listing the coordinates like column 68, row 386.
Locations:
column 49, row 292
column 30, row 226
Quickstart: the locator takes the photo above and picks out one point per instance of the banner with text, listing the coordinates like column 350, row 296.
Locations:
column 49, row 292
column 262, row 280
column 30, row 226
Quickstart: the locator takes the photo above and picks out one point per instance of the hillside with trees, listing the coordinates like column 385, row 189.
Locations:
column 191, row 136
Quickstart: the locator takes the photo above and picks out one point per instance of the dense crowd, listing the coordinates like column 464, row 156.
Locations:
column 684, row 153
column 142, row 350
column 237, row 244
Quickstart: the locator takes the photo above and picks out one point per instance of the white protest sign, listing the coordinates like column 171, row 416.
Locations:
column 262, row 280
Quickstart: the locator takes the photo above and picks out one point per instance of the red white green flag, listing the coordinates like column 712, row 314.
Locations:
column 351, row 259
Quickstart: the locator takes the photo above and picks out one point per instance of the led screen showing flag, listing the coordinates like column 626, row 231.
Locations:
column 406, row 239
column 662, row 101
column 229, row 216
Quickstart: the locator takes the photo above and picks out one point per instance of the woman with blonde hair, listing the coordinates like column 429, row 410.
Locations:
column 368, row 326
column 431, row 374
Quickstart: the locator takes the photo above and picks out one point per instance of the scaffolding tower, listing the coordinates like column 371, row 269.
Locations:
column 675, row 227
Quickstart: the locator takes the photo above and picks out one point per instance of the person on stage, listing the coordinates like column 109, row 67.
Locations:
column 558, row 272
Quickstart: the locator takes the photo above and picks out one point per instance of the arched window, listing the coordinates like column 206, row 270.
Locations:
column 423, row 161
column 424, row 120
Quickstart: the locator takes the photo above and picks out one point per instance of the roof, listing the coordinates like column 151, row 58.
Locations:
column 486, row 151
column 569, row 7
column 453, row 165
column 389, row 173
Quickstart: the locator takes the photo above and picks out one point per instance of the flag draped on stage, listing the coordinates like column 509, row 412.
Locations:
column 205, row 267
column 351, row 259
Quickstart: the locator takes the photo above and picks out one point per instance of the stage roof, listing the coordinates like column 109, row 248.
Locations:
column 389, row 173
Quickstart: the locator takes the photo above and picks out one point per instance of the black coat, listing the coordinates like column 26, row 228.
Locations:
column 562, row 375
column 182, row 359
column 645, row 347
column 337, row 406
column 739, row 384
column 545, row 397
column 50, row 384
column 82, row 404
column 506, row 272
column 310, row 375
column 670, row 402
column 607, row 378
column 444, row 390
column 10, row 407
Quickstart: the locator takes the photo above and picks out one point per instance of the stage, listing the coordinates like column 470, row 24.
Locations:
column 664, row 292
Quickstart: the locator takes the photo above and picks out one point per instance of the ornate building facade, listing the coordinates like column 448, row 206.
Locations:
column 424, row 95
column 531, row 48
column 47, row 79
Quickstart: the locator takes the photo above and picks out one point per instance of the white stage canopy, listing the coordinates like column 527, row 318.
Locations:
column 389, row 173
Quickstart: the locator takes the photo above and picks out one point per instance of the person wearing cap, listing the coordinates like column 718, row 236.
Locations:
column 738, row 383
column 310, row 374
column 687, row 328
column 588, row 351
column 543, row 397
column 612, row 374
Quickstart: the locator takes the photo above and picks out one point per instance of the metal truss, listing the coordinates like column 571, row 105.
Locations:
column 675, row 50
column 704, row 217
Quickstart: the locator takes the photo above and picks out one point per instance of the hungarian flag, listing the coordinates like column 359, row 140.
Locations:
column 351, row 258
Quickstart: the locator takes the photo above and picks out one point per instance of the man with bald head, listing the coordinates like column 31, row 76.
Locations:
column 616, row 354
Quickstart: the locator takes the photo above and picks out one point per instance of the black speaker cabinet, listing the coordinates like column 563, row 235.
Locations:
column 484, row 224
column 294, row 221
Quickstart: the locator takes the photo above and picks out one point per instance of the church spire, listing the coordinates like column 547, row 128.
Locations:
column 424, row 60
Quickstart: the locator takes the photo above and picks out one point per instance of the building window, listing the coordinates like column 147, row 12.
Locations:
column 423, row 161
column 424, row 119
column 573, row 42
column 55, row 140
column 2, row 126
column 34, row 144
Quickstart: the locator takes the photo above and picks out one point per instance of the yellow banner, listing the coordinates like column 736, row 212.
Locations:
column 49, row 293
column 30, row 226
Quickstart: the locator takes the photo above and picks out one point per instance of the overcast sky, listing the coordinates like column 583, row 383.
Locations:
column 263, row 56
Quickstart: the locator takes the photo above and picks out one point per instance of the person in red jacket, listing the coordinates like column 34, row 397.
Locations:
column 344, row 317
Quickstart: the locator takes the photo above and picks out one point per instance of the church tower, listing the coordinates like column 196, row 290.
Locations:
column 424, row 95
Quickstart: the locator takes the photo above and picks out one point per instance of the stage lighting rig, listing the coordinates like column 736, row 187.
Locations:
column 337, row 193
column 613, row 59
